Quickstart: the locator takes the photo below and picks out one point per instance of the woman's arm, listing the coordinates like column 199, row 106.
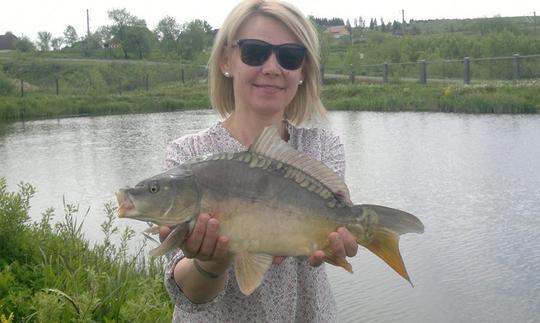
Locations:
column 202, row 274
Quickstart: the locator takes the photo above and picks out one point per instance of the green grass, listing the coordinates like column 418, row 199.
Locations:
column 51, row 273
column 502, row 97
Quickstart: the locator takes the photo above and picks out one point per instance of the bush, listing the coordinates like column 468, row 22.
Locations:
column 6, row 84
column 52, row 274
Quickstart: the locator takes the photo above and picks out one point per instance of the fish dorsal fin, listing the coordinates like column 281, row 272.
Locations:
column 249, row 269
column 270, row 144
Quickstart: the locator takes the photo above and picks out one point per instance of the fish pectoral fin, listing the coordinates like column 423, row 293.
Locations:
column 249, row 269
column 152, row 230
column 332, row 259
column 174, row 240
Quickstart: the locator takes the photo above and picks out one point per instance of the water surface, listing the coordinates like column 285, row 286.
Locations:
column 473, row 180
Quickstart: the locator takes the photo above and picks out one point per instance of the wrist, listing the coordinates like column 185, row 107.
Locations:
column 204, row 272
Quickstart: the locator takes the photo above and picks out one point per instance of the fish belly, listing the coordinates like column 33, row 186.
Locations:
column 260, row 228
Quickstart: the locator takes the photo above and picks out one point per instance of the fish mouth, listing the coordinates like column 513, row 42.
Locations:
column 125, row 204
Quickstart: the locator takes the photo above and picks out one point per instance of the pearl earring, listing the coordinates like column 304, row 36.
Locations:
column 301, row 82
column 227, row 74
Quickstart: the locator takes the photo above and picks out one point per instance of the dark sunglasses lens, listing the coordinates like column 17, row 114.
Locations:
column 291, row 56
column 254, row 53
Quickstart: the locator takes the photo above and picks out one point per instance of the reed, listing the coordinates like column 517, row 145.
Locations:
column 49, row 272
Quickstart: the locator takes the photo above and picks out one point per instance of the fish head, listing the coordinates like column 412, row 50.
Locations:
column 168, row 199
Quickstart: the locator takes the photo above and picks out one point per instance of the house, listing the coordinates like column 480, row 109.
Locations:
column 7, row 41
column 338, row 31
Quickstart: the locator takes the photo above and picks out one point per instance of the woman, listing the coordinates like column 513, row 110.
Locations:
column 263, row 72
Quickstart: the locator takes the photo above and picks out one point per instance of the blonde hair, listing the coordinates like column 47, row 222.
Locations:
column 307, row 100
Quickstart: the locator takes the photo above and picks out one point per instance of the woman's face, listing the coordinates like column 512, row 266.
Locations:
column 266, row 89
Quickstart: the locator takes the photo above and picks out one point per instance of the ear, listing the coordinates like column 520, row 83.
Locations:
column 225, row 63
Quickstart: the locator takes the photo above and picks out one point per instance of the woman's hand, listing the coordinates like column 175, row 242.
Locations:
column 204, row 242
column 341, row 242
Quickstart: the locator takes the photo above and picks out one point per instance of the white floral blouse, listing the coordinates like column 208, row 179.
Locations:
column 292, row 291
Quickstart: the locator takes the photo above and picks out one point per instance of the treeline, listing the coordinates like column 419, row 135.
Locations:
column 436, row 40
column 128, row 36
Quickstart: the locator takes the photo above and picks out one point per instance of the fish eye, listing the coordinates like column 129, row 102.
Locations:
column 154, row 187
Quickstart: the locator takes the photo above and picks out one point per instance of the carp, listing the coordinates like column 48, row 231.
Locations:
column 270, row 200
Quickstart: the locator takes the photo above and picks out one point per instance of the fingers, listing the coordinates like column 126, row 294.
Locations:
column 349, row 241
column 209, row 242
column 278, row 260
column 341, row 242
column 317, row 258
column 194, row 241
column 204, row 242
column 163, row 233
column 336, row 244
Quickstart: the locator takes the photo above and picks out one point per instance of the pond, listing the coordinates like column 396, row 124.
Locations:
column 474, row 181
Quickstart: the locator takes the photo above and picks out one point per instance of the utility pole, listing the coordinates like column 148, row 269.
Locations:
column 402, row 22
column 534, row 13
column 87, row 31
column 87, row 23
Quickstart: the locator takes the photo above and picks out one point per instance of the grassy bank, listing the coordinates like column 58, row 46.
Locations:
column 405, row 96
column 50, row 272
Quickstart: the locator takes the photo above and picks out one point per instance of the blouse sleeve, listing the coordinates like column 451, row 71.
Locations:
column 333, row 152
column 179, row 151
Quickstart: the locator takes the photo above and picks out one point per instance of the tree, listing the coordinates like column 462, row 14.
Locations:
column 137, row 39
column 44, row 40
column 70, row 36
column 194, row 38
column 122, row 36
column 24, row 44
column 56, row 43
column 167, row 33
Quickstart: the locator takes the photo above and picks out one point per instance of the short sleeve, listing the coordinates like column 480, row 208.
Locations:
column 179, row 151
column 333, row 152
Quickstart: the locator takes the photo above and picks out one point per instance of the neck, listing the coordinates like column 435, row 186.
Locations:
column 246, row 129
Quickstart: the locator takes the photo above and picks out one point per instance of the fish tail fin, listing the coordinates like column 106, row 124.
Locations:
column 384, row 241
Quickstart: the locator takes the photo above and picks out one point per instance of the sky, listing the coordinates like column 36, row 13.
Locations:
column 28, row 17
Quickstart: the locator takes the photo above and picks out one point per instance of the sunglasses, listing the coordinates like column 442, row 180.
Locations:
column 254, row 52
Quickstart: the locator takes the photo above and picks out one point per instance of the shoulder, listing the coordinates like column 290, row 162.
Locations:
column 190, row 145
column 319, row 139
column 322, row 144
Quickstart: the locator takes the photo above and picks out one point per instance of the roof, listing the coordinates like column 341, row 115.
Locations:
column 8, row 41
column 338, row 30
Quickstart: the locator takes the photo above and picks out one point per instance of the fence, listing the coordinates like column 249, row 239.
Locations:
column 467, row 70
column 80, row 77
column 77, row 77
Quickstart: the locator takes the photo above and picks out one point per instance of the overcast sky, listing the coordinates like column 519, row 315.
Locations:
column 27, row 17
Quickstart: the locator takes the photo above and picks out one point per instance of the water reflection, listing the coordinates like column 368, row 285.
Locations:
column 473, row 180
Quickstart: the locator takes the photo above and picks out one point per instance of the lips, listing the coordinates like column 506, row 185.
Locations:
column 124, row 203
column 269, row 87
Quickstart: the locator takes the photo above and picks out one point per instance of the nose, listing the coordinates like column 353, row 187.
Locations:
column 271, row 66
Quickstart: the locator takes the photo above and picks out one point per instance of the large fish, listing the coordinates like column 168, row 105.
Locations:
column 270, row 200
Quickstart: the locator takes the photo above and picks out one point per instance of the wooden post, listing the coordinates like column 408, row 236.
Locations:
column 182, row 73
column 466, row 70
column 57, row 87
column 423, row 71
column 515, row 67
column 352, row 74
column 322, row 74
column 22, row 88
column 146, row 82
column 385, row 73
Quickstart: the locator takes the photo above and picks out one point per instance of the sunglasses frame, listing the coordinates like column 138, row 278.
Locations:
column 274, row 49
